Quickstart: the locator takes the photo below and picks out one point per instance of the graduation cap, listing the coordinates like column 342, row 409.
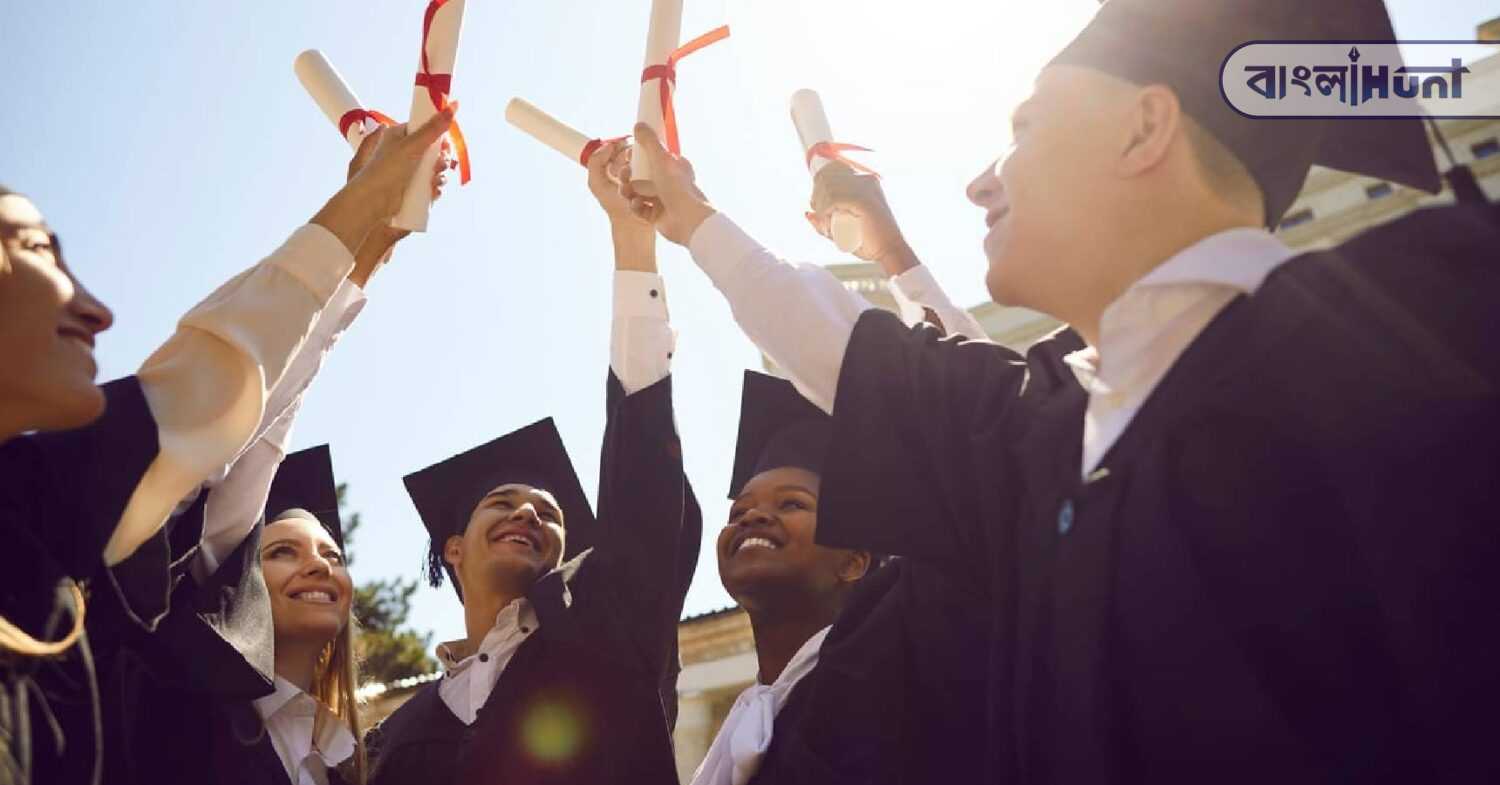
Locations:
column 778, row 427
column 445, row 493
column 304, row 487
column 1182, row 44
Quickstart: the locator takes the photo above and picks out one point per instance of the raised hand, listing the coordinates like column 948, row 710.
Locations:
column 374, row 193
column 838, row 188
column 678, row 208
column 634, row 237
column 381, row 241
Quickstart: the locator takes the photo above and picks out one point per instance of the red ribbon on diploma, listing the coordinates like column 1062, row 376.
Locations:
column 834, row 151
column 359, row 116
column 667, row 74
column 593, row 147
column 438, row 87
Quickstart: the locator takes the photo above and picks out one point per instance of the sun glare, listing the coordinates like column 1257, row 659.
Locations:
column 934, row 76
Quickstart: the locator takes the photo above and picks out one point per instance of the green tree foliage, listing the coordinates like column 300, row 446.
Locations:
column 389, row 650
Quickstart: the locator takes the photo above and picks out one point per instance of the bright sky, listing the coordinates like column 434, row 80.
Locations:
column 171, row 146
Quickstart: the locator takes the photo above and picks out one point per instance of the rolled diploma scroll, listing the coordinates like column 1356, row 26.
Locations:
column 546, row 129
column 812, row 128
column 442, row 53
column 330, row 93
column 662, row 40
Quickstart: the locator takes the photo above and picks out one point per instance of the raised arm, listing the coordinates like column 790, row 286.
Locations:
column 209, row 385
column 238, row 491
column 840, row 189
column 645, row 518
column 799, row 315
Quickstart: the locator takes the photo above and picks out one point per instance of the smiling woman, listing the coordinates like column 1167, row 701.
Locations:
column 47, row 336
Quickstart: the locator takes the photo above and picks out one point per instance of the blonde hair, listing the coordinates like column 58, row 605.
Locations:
column 14, row 639
column 333, row 686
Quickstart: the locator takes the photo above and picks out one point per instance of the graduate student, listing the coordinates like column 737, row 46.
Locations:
column 200, row 675
column 76, row 504
column 1236, row 521
column 571, row 620
column 309, row 727
column 865, row 672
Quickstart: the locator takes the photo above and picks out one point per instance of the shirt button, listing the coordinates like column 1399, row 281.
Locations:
column 1065, row 517
column 525, row 630
column 484, row 658
column 653, row 293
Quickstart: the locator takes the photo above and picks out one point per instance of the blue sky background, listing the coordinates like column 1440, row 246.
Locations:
column 171, row 146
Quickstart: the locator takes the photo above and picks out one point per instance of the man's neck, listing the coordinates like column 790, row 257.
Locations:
column 481, row 610
column 779, row 634
column 1134, row 255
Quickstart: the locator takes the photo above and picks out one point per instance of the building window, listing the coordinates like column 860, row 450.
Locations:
column 1298, row 218
column 1486, row 148
column 1378, row 190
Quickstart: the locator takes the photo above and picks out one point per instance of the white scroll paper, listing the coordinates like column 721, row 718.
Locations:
column 442, row 53
column 331, row 94
column 812, row 129
column 661, row 41
column 546, row 129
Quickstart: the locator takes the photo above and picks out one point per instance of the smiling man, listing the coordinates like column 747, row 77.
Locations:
column 566, row 670
column 1237, row 521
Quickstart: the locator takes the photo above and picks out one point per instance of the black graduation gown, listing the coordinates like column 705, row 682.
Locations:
column 61, row 496
column 181, row 687
column 1282, row 571
column 581, row 700
column 242, row 753
column 897, row 695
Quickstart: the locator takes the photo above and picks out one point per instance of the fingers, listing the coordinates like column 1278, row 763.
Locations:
column 619, row 163
column 648, row 210
column 599, row 165
column 366, row 151
column 429, row 132
column 647, row 142
column 819, row 223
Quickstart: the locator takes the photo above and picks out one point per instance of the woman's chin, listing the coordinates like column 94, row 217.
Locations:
column 313, row 626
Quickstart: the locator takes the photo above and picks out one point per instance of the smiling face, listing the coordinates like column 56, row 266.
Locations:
column 514, row 537
column 767, row 551
column 47, row 326
column 1051, row 196
column 311, row 592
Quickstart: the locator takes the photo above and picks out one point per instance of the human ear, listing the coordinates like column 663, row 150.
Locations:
column 855, row 565
column 1153, row 123
column 453, row 551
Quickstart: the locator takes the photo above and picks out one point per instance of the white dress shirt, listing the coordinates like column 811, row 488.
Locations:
column 470, row 675
column 640, row 354
column 916, row 290
column 641, row 341
column 290, row 716
column 1150, row 325
column 209, row 384
column 736, row 752
column 802, row 317
column 239, row 491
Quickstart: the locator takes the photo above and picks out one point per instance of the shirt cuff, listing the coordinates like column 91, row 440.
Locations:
column 640, row 295
column 718, row 245
column 316, row 258
column 917, row 286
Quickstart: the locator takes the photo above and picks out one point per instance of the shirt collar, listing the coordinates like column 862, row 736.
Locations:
column 1238, row 259
column 456, row 655
column 286, row 692
column 335, row 744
